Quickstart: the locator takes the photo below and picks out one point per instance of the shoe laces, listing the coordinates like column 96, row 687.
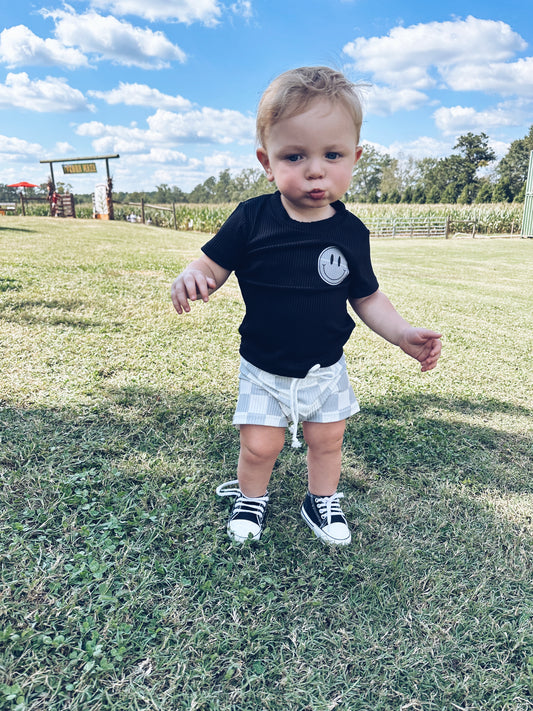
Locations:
column 245, row 504
column 329, row 506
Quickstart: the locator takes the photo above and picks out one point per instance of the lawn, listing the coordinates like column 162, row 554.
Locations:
column 119, row 588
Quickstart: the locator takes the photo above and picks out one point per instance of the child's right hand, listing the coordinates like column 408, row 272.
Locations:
column 191, row 284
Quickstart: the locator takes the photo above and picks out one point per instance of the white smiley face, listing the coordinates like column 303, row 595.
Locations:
column 332, row 266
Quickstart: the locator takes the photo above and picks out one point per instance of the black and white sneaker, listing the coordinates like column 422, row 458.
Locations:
column 248, row 515
column 323, row 515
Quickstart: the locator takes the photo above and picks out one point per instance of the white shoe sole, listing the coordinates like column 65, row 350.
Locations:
column 324, row 537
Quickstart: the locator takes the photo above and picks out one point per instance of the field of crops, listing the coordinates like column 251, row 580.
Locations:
column 489, row 219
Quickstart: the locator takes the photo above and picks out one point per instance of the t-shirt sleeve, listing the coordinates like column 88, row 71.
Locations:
column 227, row 247
column 363, row 281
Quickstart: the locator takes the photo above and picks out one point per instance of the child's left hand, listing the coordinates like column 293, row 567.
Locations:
column 423, row 345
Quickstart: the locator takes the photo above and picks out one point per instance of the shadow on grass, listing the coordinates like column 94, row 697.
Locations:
column 55, row 312
column 114, row 537
column 15, row 229
column 187, row 439
column 424, row 440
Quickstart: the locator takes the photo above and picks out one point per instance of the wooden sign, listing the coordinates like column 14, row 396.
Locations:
column 80, row 168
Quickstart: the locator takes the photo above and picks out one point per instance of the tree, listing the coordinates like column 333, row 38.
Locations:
column 367, row 174
column 433, row 195
column 163, row 194
column 390, row 179
column 7, row 194
column 249, row 183
column 484, row 194
column 513, row 167
column 204, row 192
column 223, row 188
column 475, row 151
column 450, row 193
column 448, row 177
column 468, row 194
column 408, row 194
column 502, row 191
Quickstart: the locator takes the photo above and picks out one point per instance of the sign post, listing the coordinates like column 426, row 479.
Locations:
column 78, row 166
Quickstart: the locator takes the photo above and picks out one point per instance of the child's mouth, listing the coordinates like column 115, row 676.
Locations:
column 317, row 194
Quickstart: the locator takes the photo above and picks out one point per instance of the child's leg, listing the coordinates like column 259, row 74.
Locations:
column 324, row 441
column 321, row 509
column 260, row 447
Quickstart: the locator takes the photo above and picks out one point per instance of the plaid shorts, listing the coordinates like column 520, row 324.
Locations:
column 324, row 395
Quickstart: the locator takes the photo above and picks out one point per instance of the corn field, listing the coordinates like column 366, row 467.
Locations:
column 488, row 219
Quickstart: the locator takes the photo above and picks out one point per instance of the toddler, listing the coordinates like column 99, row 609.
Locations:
column 299, row 257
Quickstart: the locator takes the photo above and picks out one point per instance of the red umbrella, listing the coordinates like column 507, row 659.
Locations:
column 23, row 184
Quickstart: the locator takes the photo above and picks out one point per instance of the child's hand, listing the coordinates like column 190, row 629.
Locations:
column 191, row 285
column 423, row 345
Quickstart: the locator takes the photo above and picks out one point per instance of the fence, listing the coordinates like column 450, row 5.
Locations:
column 7, row 207
column 144, row 205
column 408, row 227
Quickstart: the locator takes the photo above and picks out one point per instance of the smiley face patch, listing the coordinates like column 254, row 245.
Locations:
column 332, row 266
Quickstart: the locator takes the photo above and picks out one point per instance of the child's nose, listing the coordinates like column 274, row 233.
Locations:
column 315, row 169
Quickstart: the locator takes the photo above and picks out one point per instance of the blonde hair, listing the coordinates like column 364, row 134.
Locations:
column 292, row 92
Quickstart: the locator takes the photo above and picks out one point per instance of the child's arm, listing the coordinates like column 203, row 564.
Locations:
column 380, row 315
column 200, row 279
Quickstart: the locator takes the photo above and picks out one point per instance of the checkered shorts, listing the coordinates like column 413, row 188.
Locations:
column 324, row 395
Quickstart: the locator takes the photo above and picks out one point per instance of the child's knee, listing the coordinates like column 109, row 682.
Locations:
column 262, row 443
column 324, row 437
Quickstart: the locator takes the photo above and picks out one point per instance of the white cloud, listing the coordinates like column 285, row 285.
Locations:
column 19, row 46
column 422, row 147
column 141, row 95
column 216, row 163
column 512, row 78
column 204, row 125
column 167, row 129
column 196, row 171
column 383, row 101
column 52, row 94
column 406, row 55
column 114, row 40
column 243, row 8
column 458, row 119
column 163, row 155
column 114, row 139
column 63, row 148
column 15, row 148
column 188, row 11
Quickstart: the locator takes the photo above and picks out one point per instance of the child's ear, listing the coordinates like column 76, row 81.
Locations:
column 358, row 152
column 262, row 157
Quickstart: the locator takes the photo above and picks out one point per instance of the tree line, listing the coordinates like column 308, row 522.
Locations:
column 469, row 174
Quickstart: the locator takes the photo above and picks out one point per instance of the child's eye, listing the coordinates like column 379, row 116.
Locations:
column 294, row 157
column 333, row 155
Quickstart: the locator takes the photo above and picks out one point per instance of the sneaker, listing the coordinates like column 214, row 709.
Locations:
column 248, row 515
column 323, row 515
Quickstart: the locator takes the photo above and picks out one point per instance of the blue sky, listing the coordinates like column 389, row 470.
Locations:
column 172, row 85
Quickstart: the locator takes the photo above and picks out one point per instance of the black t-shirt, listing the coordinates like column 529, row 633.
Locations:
column 295, row 279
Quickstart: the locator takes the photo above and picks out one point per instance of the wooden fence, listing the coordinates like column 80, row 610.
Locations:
column 143, row 205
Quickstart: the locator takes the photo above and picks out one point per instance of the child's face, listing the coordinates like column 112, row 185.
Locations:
column 311, row 157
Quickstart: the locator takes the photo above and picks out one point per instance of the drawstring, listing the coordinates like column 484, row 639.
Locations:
column 294, row 412
column 295, row 415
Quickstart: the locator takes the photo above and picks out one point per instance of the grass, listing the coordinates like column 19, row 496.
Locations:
column 119, row 589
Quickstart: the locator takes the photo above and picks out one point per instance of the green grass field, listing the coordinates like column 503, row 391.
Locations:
column 119, row 588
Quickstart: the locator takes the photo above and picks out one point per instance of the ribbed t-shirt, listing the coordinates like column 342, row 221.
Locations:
column 295, row 279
